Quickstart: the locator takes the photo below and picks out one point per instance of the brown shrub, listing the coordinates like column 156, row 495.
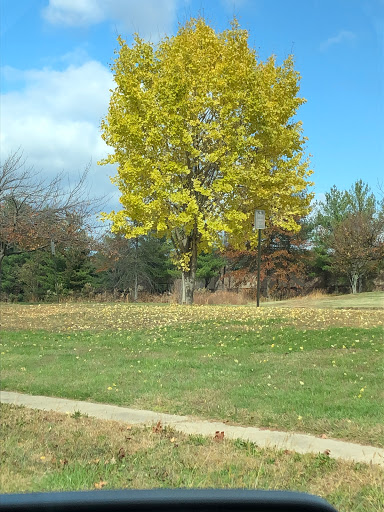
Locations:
column 204, row 296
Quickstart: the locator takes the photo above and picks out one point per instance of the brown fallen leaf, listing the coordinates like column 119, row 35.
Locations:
column 121, row 454
column 288, row 452
column 327, row 452
column 129, row 427
column 219, row 436
column 158, row 428
column 100, row 485
column 63, row 462
column 323, row 436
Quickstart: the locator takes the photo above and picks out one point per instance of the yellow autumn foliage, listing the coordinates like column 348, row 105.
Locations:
column 204, row 133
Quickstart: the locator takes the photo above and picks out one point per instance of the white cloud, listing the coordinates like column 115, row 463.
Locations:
column 150, row 18
column 74, row 12
column 342, row 36
column 55, row 119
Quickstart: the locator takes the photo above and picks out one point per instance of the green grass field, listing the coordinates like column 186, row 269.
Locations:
column 46, row 451
column 296, row 369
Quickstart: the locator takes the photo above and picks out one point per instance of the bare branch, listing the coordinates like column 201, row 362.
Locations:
column 35, row 211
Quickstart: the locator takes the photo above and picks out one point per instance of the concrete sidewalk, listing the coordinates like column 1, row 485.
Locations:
column 300, row 443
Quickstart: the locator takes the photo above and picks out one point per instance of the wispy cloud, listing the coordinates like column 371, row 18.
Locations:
column 233, row 4
column 144, row 16
column 341, row 37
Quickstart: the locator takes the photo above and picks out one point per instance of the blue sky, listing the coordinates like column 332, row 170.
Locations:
column 55, row 77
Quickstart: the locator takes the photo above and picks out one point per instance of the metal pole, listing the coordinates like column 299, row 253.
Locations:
column 258, row 268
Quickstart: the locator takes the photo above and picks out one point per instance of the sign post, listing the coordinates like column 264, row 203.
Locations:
column 259, row 225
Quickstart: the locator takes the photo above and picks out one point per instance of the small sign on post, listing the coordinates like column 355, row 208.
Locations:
column 259, row 225
column 259, row 219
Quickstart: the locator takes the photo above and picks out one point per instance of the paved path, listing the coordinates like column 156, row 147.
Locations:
column 301, row 443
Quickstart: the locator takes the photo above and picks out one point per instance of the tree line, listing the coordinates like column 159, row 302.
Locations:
column 51, row 251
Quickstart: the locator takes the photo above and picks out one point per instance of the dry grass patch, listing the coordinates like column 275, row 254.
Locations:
column 319, row 299
column 204, row 297
column 47, row 451
column 118, row 317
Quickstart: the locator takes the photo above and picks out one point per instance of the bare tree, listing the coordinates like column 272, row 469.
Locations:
column 36, row 213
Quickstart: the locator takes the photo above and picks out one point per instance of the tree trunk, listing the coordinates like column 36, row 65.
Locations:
column 189, row 276
column 182, row 288
column 135, row 284
column 2, row 254
column 268, row 292
column 189, row 280
column 135, row 290
column 353, row 279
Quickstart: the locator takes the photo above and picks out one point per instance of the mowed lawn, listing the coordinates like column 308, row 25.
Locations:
column 296, row 369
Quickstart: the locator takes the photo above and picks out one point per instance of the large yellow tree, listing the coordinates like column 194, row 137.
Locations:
column 203, row 133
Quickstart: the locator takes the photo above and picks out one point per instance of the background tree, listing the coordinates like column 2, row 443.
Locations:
column 203, row 134
column 209, row 266
column 357, row 245
column 12, row 288
column 332, row 220
column 77, row 269
column 284, row 263
column 37, row 276
column 284, row 267
column 41, row 276
column 124, row 264
column 36, row 213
